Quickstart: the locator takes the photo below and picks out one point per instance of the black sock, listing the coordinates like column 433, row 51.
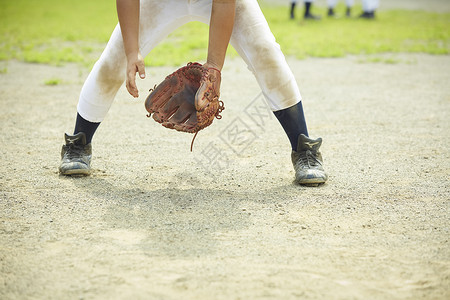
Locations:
column 88, row 128
column 292, row 9
column 307, row 7
column 330, row 11
column 293, row 121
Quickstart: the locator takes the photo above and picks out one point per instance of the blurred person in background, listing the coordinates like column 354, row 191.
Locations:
column 307, row 14
column 332, row 5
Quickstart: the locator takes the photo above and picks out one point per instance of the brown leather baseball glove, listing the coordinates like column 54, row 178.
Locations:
column 187, row 100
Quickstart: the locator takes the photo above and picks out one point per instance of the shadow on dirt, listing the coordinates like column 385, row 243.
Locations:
column 178, row 220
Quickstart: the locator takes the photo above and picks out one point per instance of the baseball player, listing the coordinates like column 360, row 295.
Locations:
column 143, row 24
column 332, row 5
column 307, row 15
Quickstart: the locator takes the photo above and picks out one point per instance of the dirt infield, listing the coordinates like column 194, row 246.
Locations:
column 155, row 221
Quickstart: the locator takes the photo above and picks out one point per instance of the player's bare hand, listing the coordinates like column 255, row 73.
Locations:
column 135, row 65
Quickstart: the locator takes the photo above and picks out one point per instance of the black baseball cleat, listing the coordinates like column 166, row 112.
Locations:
column 307, row 162
column 75, row 155
column 367, row 15
column 292, row 15
column 348, row 12
column 331, row 12
column 311, row 17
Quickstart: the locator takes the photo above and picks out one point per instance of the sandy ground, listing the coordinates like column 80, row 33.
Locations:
column 152, row 222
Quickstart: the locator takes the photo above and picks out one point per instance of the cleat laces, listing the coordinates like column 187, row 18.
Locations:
column 308, row 159
column 74, row 151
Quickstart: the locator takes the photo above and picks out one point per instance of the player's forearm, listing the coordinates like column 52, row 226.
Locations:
column 220, row 29
column 128, row 13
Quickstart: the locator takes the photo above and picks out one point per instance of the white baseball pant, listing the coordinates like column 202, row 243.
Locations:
column 370, row 5
column 332, row 3
column 251, row 38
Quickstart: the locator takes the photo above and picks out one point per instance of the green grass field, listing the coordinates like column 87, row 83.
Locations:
column 59, row 31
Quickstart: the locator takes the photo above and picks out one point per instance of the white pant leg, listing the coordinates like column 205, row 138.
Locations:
column 306, row 1
column 256, row 44
column 370, row 5
column 103, row 81
column 375, row 4
column 331, row 3
column 158, row 19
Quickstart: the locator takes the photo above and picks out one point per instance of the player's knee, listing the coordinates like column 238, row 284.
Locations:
column 267, row 56
column 110, row 74
column 270, row 66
